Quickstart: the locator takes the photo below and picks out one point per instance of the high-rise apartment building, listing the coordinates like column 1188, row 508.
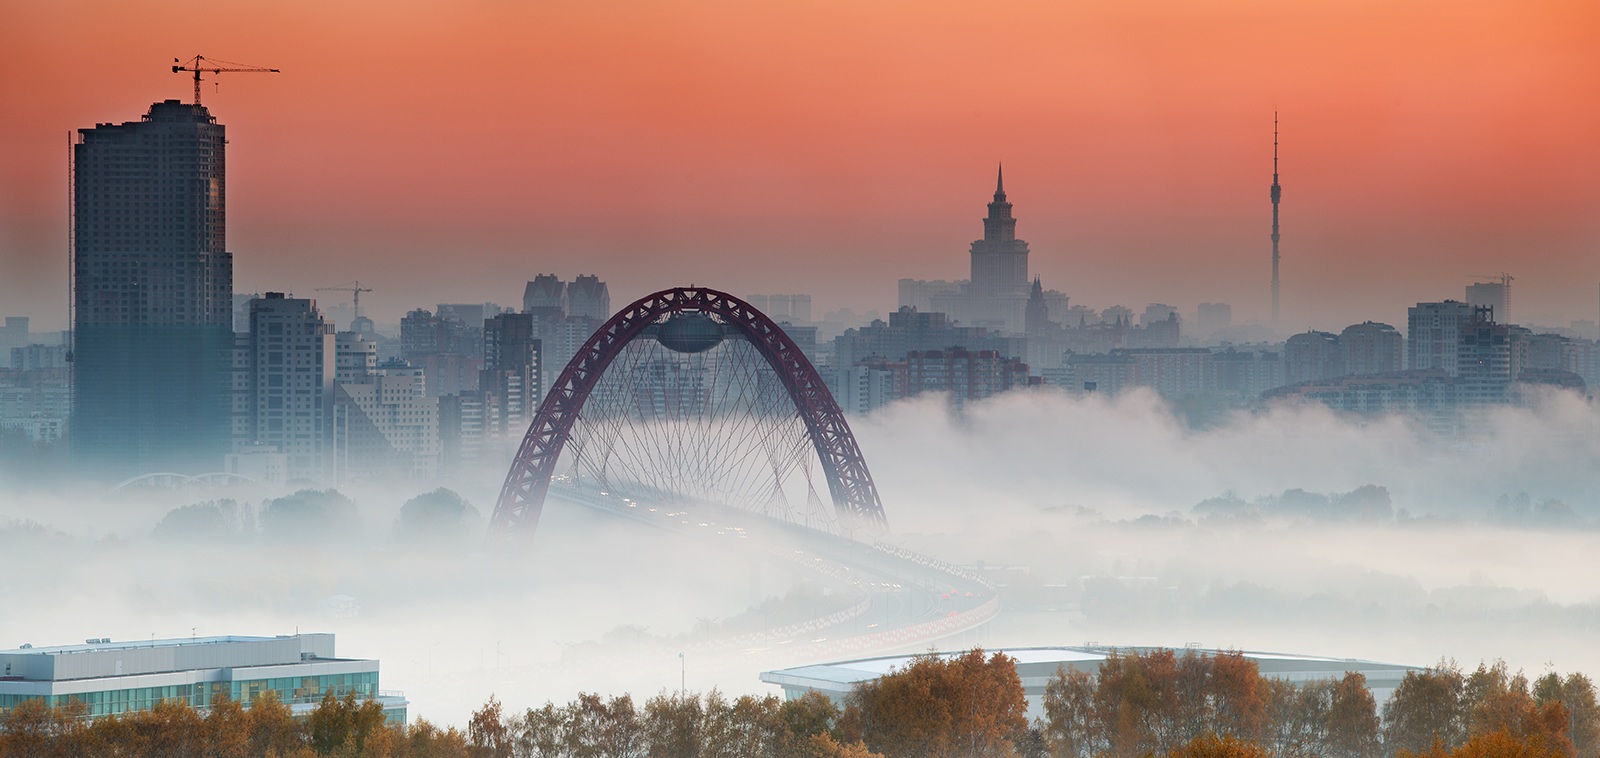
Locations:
column 1496, row 295
column 544, row 292
column 1433, row 334
column 289, row 370
column 1311, row 356
column 511, row 373
column 1371, row 348
column 152, row 295
column 1486, row 365
column 387, row 425
column 588, row 297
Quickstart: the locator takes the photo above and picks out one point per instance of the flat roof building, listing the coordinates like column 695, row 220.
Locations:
column 118, row 677
column 1036, row 666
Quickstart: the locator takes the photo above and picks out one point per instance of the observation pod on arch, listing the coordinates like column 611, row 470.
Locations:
column 687, row 320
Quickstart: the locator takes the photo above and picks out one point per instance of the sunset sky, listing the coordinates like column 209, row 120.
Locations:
column 448, row 151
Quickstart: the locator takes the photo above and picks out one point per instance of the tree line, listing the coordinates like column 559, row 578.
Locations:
column 1140, row 703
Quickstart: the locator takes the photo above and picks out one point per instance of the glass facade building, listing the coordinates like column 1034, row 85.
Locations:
column 110, row 678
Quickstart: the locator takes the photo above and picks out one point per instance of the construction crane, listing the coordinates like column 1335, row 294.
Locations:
column 1505, row 279
column 354, row 288
column 200, row 64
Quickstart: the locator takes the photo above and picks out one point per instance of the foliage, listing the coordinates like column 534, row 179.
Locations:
column 943, row 706
column 347, row 727
column 310, row 515
column 209, row 521
column 1142, row 703
column 440, row 517
column 1156, row 702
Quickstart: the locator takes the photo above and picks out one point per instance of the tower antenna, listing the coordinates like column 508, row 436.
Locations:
column 1276, row 193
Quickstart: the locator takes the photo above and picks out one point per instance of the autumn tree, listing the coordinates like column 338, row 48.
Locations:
column 672, row 725
column 488, row 736
column 1297, row 717
column 801, row 721
column 344, row 726
column 1214, row 746
column 943, row 706
column 1070, row 726
column 1352, row 721
column 1577, row 694
column 1426, row 710
column 1135, row 701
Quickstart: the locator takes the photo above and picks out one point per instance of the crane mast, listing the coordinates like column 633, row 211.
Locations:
column 200, row 64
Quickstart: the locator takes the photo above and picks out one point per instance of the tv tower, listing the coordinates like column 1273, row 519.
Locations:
column 1276, row 193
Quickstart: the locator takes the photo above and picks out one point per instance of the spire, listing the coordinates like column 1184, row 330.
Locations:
column 1000, row 179
column 1277, row 193
column 1038, row 288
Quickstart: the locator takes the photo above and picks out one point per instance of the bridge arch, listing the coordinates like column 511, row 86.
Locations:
column 850, row 484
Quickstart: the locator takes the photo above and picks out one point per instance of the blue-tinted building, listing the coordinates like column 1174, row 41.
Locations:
column 152, row 289
column 119, row 677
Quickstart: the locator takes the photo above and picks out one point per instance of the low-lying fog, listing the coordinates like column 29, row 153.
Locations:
column 1107, row 520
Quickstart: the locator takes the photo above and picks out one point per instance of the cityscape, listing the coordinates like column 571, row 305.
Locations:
column 794, row 434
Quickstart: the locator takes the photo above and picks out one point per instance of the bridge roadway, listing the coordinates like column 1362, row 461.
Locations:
column 895, row 600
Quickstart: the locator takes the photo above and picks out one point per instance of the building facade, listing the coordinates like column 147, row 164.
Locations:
column 152, row 285
column 1433, row 334
column 1372, row 348
column 111, row 678
column 288, row 366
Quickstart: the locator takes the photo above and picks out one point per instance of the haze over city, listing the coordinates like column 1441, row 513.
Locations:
column 1424, row 142
column 673, row 348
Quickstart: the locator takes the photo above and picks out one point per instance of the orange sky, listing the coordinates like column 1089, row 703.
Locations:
column 447, row 151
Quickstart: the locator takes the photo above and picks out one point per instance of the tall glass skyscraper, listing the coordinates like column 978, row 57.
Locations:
column 152, row 295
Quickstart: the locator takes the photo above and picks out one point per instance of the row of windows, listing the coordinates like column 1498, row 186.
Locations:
column 308, row 689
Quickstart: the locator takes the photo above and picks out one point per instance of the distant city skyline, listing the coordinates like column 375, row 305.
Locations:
column 447, row 155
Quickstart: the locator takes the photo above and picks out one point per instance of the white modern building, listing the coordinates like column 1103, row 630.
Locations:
column 119, row 677
column 1036, row 666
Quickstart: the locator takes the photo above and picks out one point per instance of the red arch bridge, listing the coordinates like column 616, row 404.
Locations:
column 690, row 394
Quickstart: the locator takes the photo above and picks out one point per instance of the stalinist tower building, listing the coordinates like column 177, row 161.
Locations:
column 997, row 294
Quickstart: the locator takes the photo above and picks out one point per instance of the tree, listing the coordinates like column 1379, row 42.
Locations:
column 1237, row 695
column 1070, row 727
column 539, row 733
column 937, row 706
column 310, row 516
column 1297, row 720
column 672, row 725
column 1352, row 730
column 344, row 726
column 1135, row 702
column 1426, row 710
column 1577, row 694
column 487, row 733
column 437, row 518
column 209, row 521
column 799, row 720
column 271, row 726
column 1214, row 746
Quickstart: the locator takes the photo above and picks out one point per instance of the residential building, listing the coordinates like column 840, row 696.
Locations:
column 1495, row 295
column 1433, row 334
column 968, row 375
column 387, row 425
column 152, row 295
column 1312, row 356
column 288, row 364
column 1371, row 348
column 588, row 297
